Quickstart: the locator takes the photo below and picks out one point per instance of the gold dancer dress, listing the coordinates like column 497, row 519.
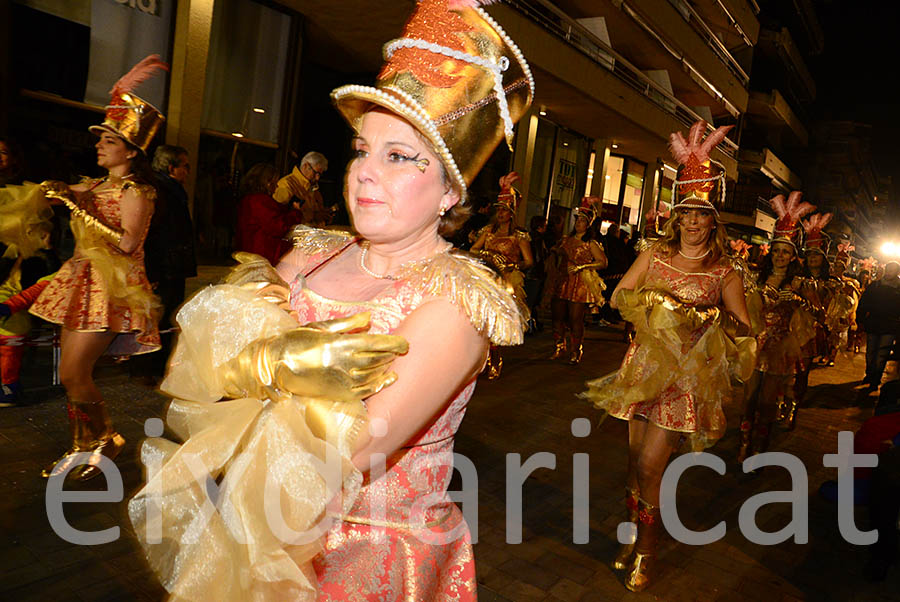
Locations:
column 397, row 537
column 677, row 373
column 102, row 288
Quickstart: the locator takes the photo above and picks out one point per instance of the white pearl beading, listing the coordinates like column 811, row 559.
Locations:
column 485, row 64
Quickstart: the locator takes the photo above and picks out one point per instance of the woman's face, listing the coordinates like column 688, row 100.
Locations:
column 814, row 260
column 113, row 152
column 5, row 157
column 503, row 215
column 581, row 224
column 695, row 225
column 782, row 254
column 394, row 185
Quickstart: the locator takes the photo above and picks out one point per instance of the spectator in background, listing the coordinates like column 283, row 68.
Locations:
column 169, row 249
column 300, row 189
column 12, row 162
column 263, row 223
column 616, row 267
column 878, row 314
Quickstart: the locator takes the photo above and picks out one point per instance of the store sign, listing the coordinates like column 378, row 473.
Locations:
column 151, row 7
column 565, row 177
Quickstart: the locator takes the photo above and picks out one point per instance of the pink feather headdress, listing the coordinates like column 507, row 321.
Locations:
column 509, row 197
column 869, row 263
column 740, row 247
column 700, row 181
column 764, row 249
column 816, row 239
column 787, row 228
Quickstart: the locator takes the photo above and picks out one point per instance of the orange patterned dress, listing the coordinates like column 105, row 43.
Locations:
column 678, row 371
column 379, row 550
column 81, row 297
column 577, row 287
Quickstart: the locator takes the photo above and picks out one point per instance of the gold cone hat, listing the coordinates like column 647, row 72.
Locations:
column 456, row 77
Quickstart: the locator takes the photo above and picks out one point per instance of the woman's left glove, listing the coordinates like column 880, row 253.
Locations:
column 323, row 360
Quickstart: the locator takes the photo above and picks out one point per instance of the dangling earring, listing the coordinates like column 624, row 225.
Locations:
column 442, row 211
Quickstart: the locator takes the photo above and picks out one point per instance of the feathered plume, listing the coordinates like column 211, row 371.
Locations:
column 508, row 180
column 793, row 207
column 461, row 4
column 869, row 263
column 816, row 222
column 138, row 74
column 764, row 249
column 740, row 247
column 682, row 149
column 845, row 248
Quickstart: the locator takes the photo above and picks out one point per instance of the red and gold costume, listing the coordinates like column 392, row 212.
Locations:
column 584, row 286
column 101, row 288
column 677, row 373
column 397, row 537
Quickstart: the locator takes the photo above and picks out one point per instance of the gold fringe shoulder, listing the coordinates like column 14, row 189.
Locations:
column 477, row 290
column 312, row 241
column 145, row 191
column 523, row 235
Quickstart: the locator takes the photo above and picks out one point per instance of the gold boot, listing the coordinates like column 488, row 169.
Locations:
column 494, row 363
column 626, row 550
column 640, row 575
column 577, row 351
column 92, row 432
column 78, row 433
column 560, row 348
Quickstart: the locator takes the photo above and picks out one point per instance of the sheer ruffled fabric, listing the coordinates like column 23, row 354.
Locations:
column 270, row 475
column 679, row 370
column 784, row 328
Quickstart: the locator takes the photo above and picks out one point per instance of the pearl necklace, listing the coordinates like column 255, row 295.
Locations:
column 362, row 263
column 694, row 257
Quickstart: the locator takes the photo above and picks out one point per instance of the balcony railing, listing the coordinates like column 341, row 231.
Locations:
column 703, row 30
column 558, row 23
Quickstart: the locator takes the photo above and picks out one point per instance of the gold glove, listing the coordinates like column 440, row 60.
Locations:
column 321, row 360
column 58, row 190
column 585, row 266
column 496, row 260
column 255, row 273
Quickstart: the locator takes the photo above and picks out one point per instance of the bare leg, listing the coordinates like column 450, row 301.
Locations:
column 79, row 353
column 658, row 444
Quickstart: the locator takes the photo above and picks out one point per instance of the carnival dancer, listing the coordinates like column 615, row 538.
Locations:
column 841, row 309
column 452, row 88
column 507, row 249
column 576, row 282
column 101, row 296
column 813, row 289
column 783, row 325
column 687, row 303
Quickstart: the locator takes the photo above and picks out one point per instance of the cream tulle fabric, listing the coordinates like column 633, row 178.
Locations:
column 267, row 475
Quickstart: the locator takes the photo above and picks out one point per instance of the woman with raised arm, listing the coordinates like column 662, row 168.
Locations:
column 101, row 296
column 687, row 304
column 450, row 91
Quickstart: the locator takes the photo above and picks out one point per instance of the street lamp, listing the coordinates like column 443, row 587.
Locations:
column 890, row 249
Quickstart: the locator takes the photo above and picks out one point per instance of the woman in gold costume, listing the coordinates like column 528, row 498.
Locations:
column 297, row 391
column 507, row 249
column 687, row 304
column 101, row 296
column 577, row 283
column 783, row 326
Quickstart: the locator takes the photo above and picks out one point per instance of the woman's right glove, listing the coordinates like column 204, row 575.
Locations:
column 322, row 360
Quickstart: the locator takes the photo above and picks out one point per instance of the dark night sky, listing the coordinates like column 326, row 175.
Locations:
column 857, row 75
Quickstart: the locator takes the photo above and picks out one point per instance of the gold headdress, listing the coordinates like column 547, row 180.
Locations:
column 509, row 197
column 129, row 116
column 457, row 77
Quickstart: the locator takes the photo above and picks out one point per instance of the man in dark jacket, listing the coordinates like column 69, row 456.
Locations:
column 878, row 314
column 169, row 248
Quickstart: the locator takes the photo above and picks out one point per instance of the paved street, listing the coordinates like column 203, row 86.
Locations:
column 528, row 410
